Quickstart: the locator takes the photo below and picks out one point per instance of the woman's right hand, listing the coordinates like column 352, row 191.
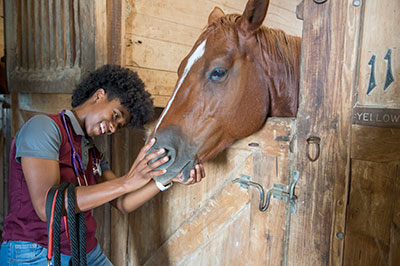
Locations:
column 141, row 171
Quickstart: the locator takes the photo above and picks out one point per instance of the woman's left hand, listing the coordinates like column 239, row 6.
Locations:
column 196, row 175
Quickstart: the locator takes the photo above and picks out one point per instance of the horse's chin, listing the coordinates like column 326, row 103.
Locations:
column 175, row 170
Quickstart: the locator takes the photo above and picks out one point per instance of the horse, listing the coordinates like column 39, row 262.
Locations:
column 236, row 75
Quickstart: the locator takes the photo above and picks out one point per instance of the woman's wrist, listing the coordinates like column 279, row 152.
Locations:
column 163, row 187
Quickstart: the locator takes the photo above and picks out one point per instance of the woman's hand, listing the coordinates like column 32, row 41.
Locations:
column 141, row 171
column 196, row 175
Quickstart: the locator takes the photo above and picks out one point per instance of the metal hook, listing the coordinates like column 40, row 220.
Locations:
column 278, row 191
column 316, row 141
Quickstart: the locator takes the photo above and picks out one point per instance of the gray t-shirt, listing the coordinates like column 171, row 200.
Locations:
column 40, row 137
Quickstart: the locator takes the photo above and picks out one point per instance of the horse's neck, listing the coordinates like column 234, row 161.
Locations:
column 281, row 55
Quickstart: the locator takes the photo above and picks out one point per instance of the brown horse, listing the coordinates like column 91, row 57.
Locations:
column 237, row 73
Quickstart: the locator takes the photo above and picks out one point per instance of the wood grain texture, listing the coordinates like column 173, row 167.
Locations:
column 121, row 142
column 116, row 32
column 124, row 145
column 380, row 33
column 218, row 217
column 328, row 66
column 375, row 144
column 371, row 232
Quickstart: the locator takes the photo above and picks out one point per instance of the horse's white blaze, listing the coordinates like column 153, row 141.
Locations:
column 197, row 54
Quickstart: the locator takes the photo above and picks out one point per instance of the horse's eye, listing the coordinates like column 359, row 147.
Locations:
column 218, row 74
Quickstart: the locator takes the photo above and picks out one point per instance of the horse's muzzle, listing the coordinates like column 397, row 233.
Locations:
column 181, row 154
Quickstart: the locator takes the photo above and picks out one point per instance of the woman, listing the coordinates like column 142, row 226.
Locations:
column 43, row 154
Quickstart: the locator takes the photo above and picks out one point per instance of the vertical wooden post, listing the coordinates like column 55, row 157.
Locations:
column 330, row 41
column 116, row 55
column 116, row 31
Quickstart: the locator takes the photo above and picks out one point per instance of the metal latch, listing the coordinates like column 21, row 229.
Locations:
column 278, row 191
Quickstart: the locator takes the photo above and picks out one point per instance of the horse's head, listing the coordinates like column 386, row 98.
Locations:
column 223, row 92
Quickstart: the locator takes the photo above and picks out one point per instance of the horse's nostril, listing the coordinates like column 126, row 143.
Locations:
column 169, row 154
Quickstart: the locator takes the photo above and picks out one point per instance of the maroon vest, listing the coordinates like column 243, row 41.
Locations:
column 22, row 223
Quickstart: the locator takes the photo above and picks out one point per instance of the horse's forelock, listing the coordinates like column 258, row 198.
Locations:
column 228, row 20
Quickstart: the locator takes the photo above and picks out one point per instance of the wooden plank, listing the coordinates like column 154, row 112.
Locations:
column 36, row 37
column 116, row 32
column 77, row 33
column 119, row 222
column 155, row 54
column 375, row 144
column 24, row 36
column 44, row 103
column 210, row 219
column 157, row 28
column 232, row 241
column 102, row 214
column 68, row 41
column 194, row 14
column 273, row 138
column 169, row 211
column 268, row 229
column 328, row 67
column 10, row 19
column 60, row 41
column 45, row 81
column 87, row 38
column 101, row 32
column 370, row 213
column 116, row 55
column 394, row 255
column 380, row 34
column 52, row 38
column 159, row 83
column 44, row 33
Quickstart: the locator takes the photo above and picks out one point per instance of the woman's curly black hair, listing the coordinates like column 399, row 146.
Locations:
column 120, row 83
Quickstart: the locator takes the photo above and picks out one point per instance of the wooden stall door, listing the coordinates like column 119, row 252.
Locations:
column 372, row 234
column 216, row 222
column 348, row 212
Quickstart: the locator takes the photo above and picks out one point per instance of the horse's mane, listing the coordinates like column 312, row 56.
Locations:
column 281, row 47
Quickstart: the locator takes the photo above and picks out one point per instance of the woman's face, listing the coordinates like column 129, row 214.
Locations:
column 105, row 117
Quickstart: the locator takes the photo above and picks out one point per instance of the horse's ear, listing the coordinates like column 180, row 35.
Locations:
column 253, row 15
column 215, row 15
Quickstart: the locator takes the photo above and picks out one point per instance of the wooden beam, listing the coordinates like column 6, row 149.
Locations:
column 116, row 31
column 116, row 55
column 329, row 65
